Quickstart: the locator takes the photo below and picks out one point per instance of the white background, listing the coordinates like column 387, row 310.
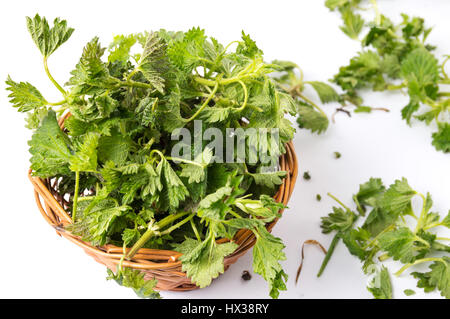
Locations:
column 34, row 262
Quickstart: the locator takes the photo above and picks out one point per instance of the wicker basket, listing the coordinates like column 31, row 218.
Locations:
column 160, row 264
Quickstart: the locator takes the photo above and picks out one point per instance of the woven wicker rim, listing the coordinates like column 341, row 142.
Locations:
column 155, row 263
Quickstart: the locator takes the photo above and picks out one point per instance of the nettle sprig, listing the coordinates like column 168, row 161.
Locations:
column 311, row 116
column 387, row 232
column 396, row 57
column 113, row 157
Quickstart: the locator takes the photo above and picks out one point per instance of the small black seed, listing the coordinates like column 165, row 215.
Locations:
column 318, row 197
column 246, row 275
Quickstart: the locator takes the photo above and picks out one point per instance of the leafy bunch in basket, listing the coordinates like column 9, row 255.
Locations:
column 396, row 56
column 113, row 156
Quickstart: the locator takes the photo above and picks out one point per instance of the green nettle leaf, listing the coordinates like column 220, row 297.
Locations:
column 438, row 277
column 153, row 62
column 248, row 47
column 399, row 244
column 114, row 148
column 187, row 52
column 398, row 197
column 288, row 104
column 119, row 48
column 133, row 278
column 241, row 223
column 409, row 110
column 339, row 220
column 269, row 179
column 446, row 221
column 311, row 119
column 50, row 148
column 24, row 96
column 266, row 208
column 382, row 288
column 212, row 205
column 214, row 115
column 34, row 119
column 130, row 236
column 148, row 183
column 85, row 158
column 326, row 92
column 267, row 253
column 90, row 72
column 409, row 292
column 441, row 138
column 145, row 111
column 353, row 24
column 218, row 195
column 420, row 69
column 176, row 191
column 354, row 240
column 203, row 261
column 196, row 173
column 48, row 39
column 370, row 192
column 378, row 220
column 98, row 220
column 334, row 4
column 153, row 182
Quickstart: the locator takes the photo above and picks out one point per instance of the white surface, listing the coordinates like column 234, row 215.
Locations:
column 34, row 262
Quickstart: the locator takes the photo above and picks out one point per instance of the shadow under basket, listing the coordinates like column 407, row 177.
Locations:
column 155, row 263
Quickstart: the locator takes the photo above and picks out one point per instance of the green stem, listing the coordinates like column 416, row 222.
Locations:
column 218, row 58
column 141, row 242
column 132, row 73
column 59, row 87
column 234, row 214
column 442, row 238
column 358, row 206
column 419, row 261
column 149, row 143
column 211, row 95
column 330, row 251
column 177, row 225
column 57, row 103
column 153, row 230
column 161, row 155
column 204, row 81
column 169, row 219
column 440, row 247
column 194, row 228
column 75, row 196
column 244, row 104
column 300, row 95
column 443, row 67
column 338, row 201
column 383, row 257
column 183, row 161
column 422, row 214
column 393, row 87
column 377, row 12
column 130, row 83
column 225, row 81
column 423, row 241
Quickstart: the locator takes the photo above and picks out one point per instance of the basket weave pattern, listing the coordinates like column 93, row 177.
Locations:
column 155, row 263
